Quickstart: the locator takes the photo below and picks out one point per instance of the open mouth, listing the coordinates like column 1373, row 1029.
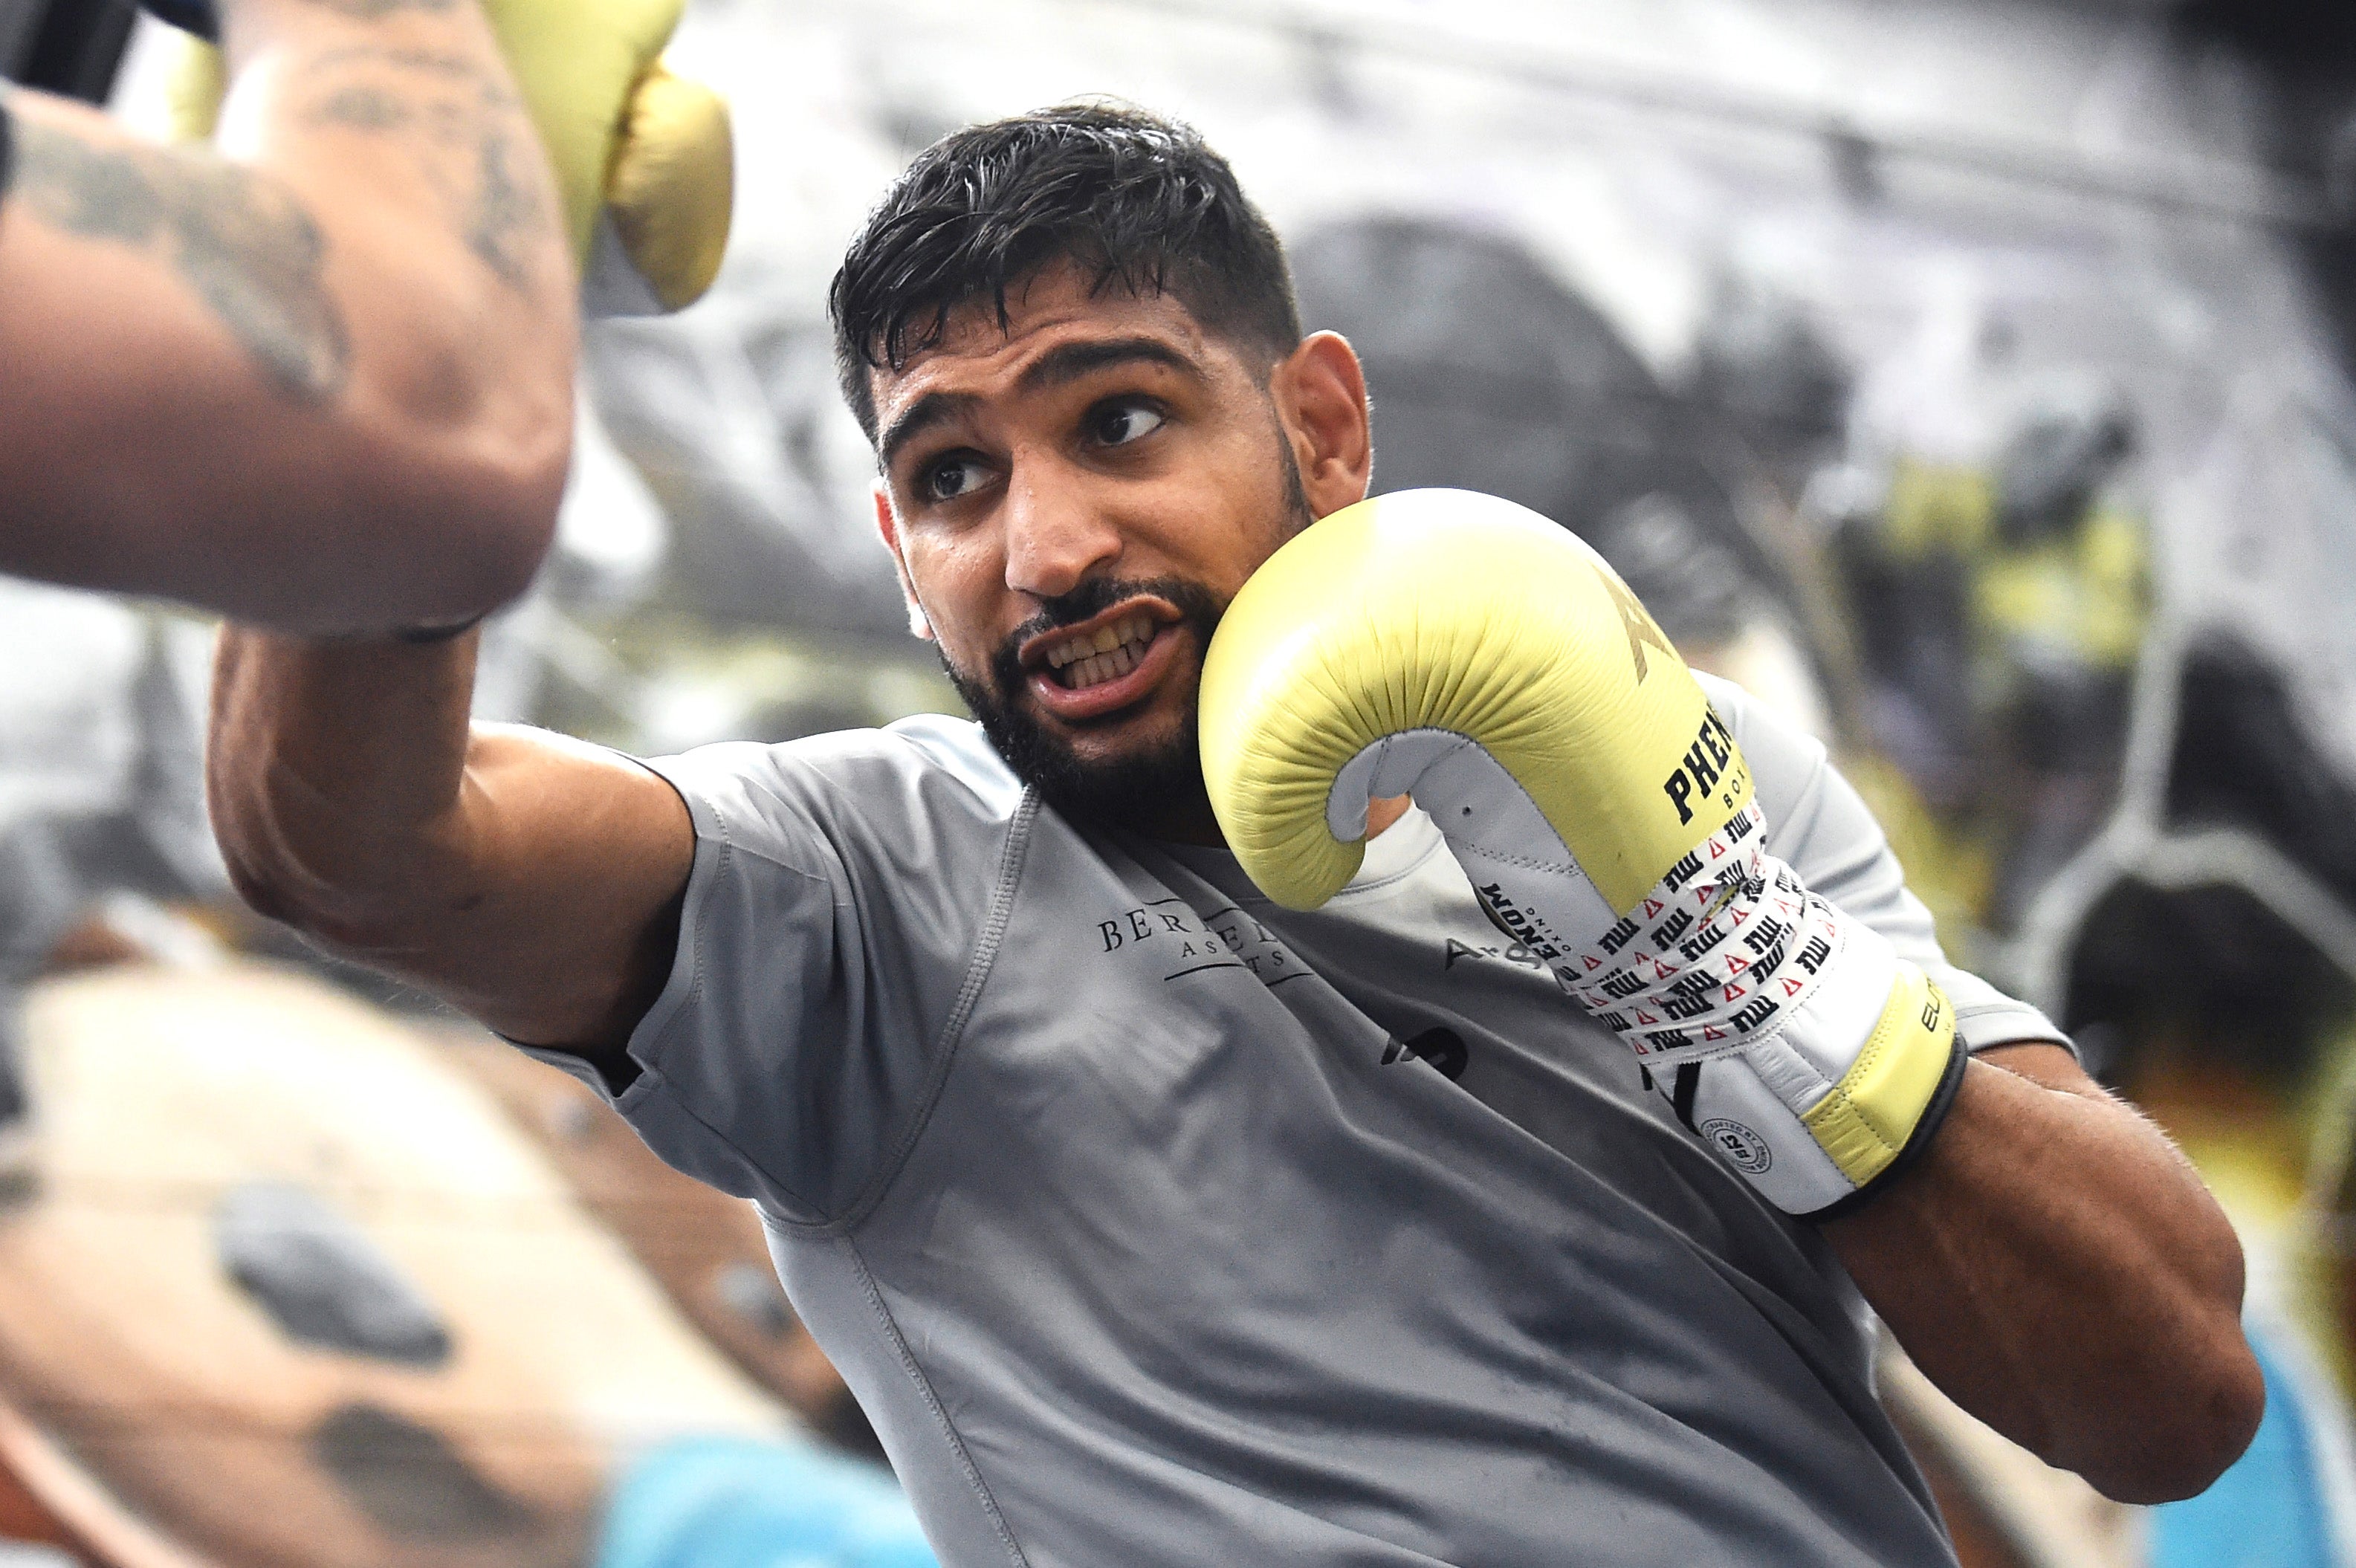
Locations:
column 1091, row 658
column 1107, row 664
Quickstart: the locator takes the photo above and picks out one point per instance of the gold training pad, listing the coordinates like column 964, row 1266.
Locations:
column 579, row 63
column 1447, row 610
column 672, row 186
column 620, row 129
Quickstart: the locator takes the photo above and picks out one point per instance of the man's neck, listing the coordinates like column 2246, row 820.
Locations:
column 1381, row 814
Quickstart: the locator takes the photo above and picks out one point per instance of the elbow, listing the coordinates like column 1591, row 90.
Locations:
column 260, row 891
column 459, row 458
column 267, row 875
column 403, row 528
column 2194, row 1427
column 505, row 526
column 505, row 453
column 481, row 512
column 331, row 887
column 347, row 923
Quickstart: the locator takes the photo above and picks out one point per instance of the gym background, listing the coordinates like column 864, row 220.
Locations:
column 1973, row 380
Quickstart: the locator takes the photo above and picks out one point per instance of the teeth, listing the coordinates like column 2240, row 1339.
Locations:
column 1109, row 652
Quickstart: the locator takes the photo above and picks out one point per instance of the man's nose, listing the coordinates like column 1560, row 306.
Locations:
column 1054, row 535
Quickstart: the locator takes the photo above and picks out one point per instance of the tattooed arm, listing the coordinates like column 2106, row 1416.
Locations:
column 320, row 378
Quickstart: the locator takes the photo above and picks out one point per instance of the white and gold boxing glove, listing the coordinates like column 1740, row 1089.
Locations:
column 1468, row 652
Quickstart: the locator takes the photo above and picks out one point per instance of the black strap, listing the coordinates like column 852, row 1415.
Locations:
column 440, row 633
column 199, row 16
column 7, row 148
column 1682, row 1091
column 75, row 48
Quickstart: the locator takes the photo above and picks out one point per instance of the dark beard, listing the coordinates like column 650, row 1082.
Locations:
column 1158, row 790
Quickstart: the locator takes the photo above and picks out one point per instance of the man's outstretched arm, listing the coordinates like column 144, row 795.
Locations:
column 320, row 378
column 2057, row 1267
column 532, row 881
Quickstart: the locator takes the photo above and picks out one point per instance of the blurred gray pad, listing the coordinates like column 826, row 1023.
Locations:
column 409, row 1480
column 321, row 1278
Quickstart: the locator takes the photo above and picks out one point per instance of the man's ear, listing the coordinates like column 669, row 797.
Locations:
column 888, row 524
column 1320, row 389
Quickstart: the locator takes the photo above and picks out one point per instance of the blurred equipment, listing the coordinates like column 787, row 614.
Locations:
column 2235, row 816
column 101, row 807
column 704, row 1248
column 68, row 46
column 1488, row 373
column 298, row 1295
column 2000, row 610
column 52, row 1515
column 719, row 1502
column 1763, row 364
column 740, row 433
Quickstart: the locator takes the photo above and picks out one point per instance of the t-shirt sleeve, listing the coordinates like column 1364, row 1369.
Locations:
column 838, row 893
column 1817, row 823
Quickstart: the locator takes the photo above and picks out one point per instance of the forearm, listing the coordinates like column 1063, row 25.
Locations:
column 335, row 773
column 2057, row 1267
column 529, row 879
column 321, row 379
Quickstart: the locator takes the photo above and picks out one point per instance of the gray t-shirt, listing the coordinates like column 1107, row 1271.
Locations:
column 1154, row 1224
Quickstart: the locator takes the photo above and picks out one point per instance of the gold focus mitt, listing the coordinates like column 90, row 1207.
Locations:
column 644, row 159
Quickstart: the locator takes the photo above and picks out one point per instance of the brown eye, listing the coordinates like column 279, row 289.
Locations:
column 1117, row 424
column 949, row 478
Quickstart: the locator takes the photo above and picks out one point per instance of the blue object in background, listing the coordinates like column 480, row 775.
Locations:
column 736, row 1502
column 2265, row 1511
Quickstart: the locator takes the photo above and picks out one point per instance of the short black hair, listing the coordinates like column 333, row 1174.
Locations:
column 1138, row 201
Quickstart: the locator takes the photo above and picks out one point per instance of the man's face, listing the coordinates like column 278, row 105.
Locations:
column 1073, row 500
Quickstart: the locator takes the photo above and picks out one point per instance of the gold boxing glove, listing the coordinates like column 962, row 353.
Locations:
column 644, row 159
column 1468, row 652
